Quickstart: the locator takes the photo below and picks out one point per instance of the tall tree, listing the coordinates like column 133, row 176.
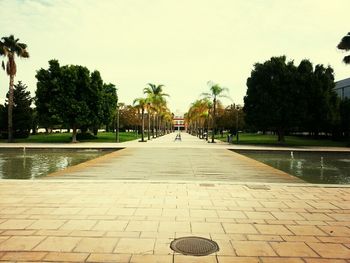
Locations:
column 271, row 96
column 156, row 97
column 47, row 88
column 11, row 47
column 73, row 90
column 23, row 113
column 345, row 45
column 109, row 104
column 216, row 91
column 94, row 99
column 141, row 104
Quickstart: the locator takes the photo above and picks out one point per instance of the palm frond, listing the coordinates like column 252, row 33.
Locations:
column 346, row 60
column 345, row 43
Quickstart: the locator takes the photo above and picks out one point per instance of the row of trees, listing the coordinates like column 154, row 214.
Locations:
column 73, row 97
column 285, row 98
column 208, row 113
column 159, row 117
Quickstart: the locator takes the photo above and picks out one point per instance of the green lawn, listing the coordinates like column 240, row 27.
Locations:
column 67, row 137
column 260, row 139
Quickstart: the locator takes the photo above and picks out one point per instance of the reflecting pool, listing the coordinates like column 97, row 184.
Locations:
column 22, row 163
column 312, row 167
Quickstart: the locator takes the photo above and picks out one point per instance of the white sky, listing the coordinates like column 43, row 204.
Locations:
column 179, row 43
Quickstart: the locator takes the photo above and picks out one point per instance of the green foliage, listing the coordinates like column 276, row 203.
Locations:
column 47, row 89
column 345, row 45
column 22, row 112
column 282, row 97
column 290, row 141
column 67, row 137
column 344, row 111
column 71, row 96
column 109, row 104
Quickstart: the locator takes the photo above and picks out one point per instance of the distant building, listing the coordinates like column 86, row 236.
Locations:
column 179, row 121
column 342, row 88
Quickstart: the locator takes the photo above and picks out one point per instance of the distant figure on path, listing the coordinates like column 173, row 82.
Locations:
column 178, row 137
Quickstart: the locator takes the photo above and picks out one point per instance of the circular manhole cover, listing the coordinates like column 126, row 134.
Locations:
column 194, row 246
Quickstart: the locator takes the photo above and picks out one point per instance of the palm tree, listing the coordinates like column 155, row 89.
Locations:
column 141, row 104
column 197, row 115
column 345, row 45
column 10, row 47
column 215, row 92
column 157, row 99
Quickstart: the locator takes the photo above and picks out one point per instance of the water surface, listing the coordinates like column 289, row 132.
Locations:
column 35, row 163
column 312, row 167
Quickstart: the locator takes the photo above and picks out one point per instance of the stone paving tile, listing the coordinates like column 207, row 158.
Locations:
column 230, row 259
column 78, row 225
column 259, row 215
column 190, row 259
column 59, row 244
column 96, row 245
column 142, row 226
column 231, row 214
column 66, row 257
column 110, row 225
column 206, row 228
column 273, row 229
column 151, row 259
column 319, row 260
column 336, row 230
column 170, row 226
column 47, row 224
column 300, row 238
column 110, row 258
column 253, row 248
column 135, row 246
column 239, row 228
column 16, row 224
column 281, row 260
column 265, row 238
column 293, row 249
column 17, row 233
column 20, row 243
column 24, row 256
column 306, row 231
column 328, row 250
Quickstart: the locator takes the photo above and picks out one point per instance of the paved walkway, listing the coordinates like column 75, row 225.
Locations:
column 190, row 159
column 61, row 220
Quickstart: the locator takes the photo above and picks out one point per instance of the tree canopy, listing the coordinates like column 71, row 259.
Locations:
column 345, row 45
column 74, row 97
column 22, row 111
column 283, row 97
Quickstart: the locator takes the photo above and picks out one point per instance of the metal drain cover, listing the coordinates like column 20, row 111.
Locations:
column 194, row 246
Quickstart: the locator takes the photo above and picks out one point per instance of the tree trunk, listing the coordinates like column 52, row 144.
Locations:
column 149, row 126
column 143, row 125
column 153, row 124
column 280, row 133
column 74, row 135
column 214, row 120
column 10, row 110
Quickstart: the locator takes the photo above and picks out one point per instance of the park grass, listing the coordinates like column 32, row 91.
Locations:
column 271, row 140
column 67, row 137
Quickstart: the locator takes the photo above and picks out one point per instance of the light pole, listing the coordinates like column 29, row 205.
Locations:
column 117, row 128
column 237, row 112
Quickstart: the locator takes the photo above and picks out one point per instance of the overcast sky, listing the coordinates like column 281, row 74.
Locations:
column 179, row 43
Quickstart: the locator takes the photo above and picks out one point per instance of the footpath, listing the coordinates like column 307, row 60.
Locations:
column 129, row 205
